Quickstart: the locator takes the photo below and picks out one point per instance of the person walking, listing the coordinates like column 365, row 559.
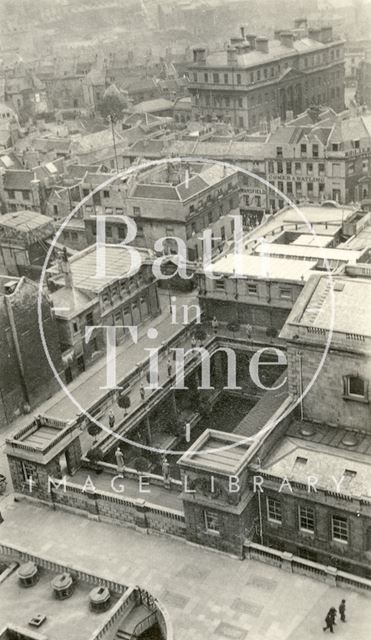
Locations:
column 342, row 611
column 330, row 620
column 141, row 391
column 111, row 419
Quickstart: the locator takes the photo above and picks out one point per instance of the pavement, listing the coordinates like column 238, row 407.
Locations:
column 209, row 596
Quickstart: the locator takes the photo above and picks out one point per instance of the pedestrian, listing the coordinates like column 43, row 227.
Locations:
column 342, row 611
column 330, row 620
column 141, row 391
column 215, row 324
column 111, row 419
column 169, row 367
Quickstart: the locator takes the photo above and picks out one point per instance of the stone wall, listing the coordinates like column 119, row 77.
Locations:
column 333, row 408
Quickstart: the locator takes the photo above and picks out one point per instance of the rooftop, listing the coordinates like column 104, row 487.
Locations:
column 70, row 618
column 223, row 452
column 349, row 294
column 276, row 51
column 324, row 454
column 25, row 220
column 83, row 267
column 308, row 252
column 247, row 265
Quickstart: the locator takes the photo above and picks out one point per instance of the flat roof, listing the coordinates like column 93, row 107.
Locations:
column 351, row 305
column 70, row 618
column 307, row 239
column 247, row 265
column 308, row 252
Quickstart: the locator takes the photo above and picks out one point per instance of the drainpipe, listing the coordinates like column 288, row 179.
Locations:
column 301, row 386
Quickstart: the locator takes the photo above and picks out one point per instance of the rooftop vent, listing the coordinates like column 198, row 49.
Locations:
column 339, row 286
column 350, row 439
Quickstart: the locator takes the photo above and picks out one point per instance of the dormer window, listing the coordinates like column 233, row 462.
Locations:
column 355, row 388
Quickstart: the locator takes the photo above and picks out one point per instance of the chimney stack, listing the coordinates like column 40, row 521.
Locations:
column 199, row 55
column 231, row 55
column 287, row 39
column 261, row 44
column 251, row 37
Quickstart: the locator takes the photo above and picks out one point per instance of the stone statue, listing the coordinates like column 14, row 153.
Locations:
column 119, row 460
column 165, row 470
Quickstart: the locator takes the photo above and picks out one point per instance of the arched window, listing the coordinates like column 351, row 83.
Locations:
column 355, row 388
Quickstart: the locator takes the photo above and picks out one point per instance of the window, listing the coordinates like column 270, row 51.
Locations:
column 355, row 387
column 26, row 195
column 105, row 194
column 238, row 78
column 85, row 192
column 206, row 77
column 219, row 284
column 29, row 473
column 285, row 293
column 306, row 518
column 226, row 78
column 289, row 187
column 216, row 78
column 211, row 522
column 270, row 166
column 297, row 167
column 258, row 74
column 252, row 289
column 335, row 146
column 340, row 529
column 321, row 169
column 194, row 77
column 288, row 168
column 227, row 102
column 136, row 211
column 280, row 185
column 309, row 168
column 89, row 319
column 109, row 231
column 11, row 194
column 298, row 187
column 274, row 511
column 315, row 150
column 121, row 232
column 75, row 327
column 240, row 103
column 303, row 149
column 279, row 167
column 279, row 152
column 365, row 166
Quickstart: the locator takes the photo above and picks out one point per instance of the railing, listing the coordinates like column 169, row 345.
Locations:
column 20, row 554
column 116, row 613
column 295, row 564
column 145, row 624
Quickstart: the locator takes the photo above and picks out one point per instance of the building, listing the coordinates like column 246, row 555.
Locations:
column 261, row 286
column 24, row 243
column 170, row 201
column 329, row 438
column 25, row 376
column 363, row 76
column 255, row 80
column 41, row 595
column 80, row 298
